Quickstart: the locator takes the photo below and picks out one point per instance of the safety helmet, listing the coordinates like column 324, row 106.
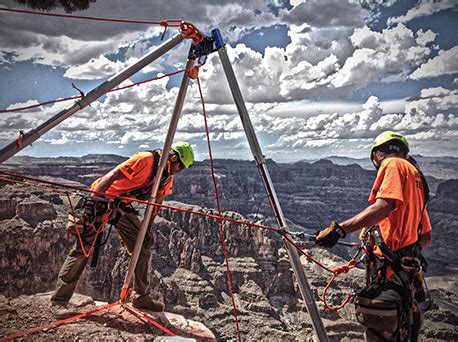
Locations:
column 392, row 136
column 390, row 140
column 185, row 153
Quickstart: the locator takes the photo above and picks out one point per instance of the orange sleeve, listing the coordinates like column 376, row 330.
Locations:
column 133, row 166
column 391, row 185
column 425, row 223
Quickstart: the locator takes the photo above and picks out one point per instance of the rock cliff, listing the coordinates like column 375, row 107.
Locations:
column 189, row 272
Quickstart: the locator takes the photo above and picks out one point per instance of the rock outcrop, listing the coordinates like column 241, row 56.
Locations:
column 188, row 259
column 189, row 274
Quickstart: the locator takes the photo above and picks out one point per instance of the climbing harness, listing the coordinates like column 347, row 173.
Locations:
column 88, row 217
column 386, row 306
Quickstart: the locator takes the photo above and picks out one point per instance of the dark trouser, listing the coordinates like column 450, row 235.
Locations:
column 128, row 226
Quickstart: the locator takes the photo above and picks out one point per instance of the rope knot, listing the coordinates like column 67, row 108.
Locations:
column 341, row 269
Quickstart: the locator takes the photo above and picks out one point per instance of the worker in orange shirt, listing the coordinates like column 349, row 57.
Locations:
column 132, row 178
column 398, row 206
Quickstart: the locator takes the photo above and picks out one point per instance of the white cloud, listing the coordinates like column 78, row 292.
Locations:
column 95, row 69
column 139, row 117
column 70, row 42
column 318, row 13
column 445, row 63
column 23, row 104
column 424, row 38
column 391, row 51
column 286, row 74
column 422, row 9
column 437, row 92
column 62, row 51
column 332, row 53
column 336, row 130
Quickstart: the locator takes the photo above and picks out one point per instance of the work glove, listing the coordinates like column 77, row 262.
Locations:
column 328, row 237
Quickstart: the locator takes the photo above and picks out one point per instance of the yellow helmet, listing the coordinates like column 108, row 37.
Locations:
column 185, row 153
column 387, row 136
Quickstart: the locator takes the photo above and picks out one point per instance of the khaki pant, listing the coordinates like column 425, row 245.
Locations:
column 128, row 227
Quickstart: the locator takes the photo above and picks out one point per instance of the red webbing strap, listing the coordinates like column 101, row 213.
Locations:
column 56, row 323
column 146, row 318
column 221, row 228
column 105, row 218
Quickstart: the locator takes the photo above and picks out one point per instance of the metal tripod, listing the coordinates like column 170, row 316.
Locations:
column 216, row 44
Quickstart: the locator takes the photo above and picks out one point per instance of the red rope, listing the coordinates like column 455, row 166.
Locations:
column 123, row 198
column 80, row 96
column 146, row 318
column 221, row 228
column 308, row 256
column 171, row 23
column 56, row 323
column 338, row 270
column 335, row 272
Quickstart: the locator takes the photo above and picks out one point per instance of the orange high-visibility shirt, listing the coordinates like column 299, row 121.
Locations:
column 137, row 171
column 398, row 179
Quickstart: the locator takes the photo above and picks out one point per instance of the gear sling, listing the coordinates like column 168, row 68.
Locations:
column 395, row 282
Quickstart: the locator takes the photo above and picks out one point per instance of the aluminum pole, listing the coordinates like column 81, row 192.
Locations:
column 278, row 213
column 29, row 137
column 161, row 167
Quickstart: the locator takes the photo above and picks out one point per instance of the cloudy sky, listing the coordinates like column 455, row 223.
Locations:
column 320, row 77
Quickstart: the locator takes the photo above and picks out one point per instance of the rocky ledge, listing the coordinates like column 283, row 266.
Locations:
column 113, row 323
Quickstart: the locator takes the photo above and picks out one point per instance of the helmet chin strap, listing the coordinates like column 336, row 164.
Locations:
column 384, row 156
column 374, row 161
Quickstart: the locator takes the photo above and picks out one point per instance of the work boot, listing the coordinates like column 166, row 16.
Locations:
column 148, row 303
column 60, row 311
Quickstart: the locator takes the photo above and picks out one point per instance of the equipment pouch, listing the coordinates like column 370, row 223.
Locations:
column 381, row 312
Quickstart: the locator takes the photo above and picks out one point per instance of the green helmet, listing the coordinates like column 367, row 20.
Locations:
column 387, row 136
column 185, row 153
